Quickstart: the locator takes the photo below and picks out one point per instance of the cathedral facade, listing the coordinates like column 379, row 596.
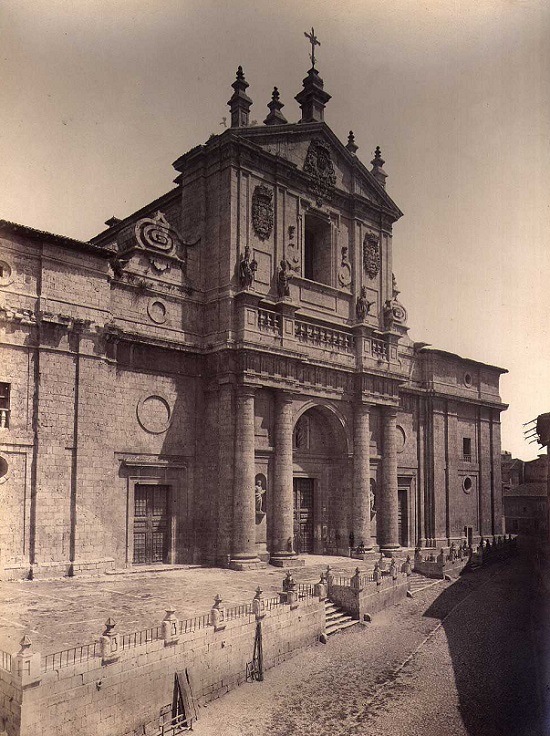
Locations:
column 225, row 376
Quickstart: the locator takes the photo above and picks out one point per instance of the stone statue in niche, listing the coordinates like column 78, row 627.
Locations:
column 372, row 497
column 363, row 305
column 259, row 492
column 262, row 211
column 283, row 277
column 247, row 269
column 371, row 255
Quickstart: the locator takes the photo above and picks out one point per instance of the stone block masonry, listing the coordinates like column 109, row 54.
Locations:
column 121, row 685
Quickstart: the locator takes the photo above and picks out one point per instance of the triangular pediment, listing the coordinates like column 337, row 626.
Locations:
column 314, row 150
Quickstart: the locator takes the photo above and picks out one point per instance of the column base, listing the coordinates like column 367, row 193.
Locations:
column 286, row 560
column 246, row 563
column 388, row 549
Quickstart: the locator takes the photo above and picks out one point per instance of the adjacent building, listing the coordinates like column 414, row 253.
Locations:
column 525, row 496
column 226, row 377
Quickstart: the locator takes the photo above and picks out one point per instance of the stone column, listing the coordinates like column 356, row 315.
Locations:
column 244, row 503
column 283, row 497
column 361, row 476
column 388, row 495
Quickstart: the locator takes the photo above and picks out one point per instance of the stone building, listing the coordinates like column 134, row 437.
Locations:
column 225, row 376
column 525, row 496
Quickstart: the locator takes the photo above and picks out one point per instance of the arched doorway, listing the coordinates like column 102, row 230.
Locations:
column 321, row 481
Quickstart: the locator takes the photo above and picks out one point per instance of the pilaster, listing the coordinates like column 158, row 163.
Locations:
column 388, row 503
column 361, row 476
column 283, row 502
column 244, row 504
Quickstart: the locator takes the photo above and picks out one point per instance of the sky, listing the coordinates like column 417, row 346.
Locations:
column 99, row 97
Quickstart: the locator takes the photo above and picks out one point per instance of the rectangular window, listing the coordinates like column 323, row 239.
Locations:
column 4, row 405
column 317, row 250
column 467, row 449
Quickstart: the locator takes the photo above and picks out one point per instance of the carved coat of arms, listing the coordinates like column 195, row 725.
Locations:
column 371, row 255
column 262, row 211
column 319, row 166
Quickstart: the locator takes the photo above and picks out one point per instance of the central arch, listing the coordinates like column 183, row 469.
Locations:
column 322, row 479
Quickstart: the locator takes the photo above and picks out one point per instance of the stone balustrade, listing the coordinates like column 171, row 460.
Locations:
column 324, row 337
column 269, row 321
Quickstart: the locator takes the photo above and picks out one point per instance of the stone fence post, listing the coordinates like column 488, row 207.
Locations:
column 170, row 627
column 321, row 588
column 217, row 614
column 258, row 604
column 110, row 644
column 28, row 664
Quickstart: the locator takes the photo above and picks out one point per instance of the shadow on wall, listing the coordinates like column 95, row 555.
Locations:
column 491, row 647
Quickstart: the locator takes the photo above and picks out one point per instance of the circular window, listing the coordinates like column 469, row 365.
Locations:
column 157, row 311
column 467, row 484
column 468, row 379
column 4, row 467
column 154, row 414
column 5, row 273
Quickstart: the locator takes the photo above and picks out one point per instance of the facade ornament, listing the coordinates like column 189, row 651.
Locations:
column 161, row 240
column 262, row 211
column 394, row 313
column 371, row 255
column 363, row 305
column 283, row 278
column 319, row 166
column 344, row 272
column 247, row 269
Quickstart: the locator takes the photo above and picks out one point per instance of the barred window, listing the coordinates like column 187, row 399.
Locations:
column 5, row 390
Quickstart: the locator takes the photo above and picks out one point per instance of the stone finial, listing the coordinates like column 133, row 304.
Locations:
column 25, row 644
column 109, row 626
column 217, row 601
column 259, row 592
column 351, row 145
column 377, row 167
column 240, row 102
column 170, row 613
column 275, row 116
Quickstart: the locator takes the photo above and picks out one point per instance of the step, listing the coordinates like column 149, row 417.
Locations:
column 334, row 630
column 336, row 618
column 419, row 582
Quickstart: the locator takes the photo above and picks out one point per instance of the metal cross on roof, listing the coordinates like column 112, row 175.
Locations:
column 314, row 42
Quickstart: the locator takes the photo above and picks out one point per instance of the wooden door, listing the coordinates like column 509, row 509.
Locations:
column 303, row 515
column 150, row 524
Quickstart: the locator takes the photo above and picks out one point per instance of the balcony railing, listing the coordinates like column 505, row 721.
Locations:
column 467, row 458
column 269, row 321
column 324, row 337
column 379, row 349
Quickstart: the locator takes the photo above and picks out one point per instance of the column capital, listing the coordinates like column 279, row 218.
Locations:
column 284, row 396
column 390, row 411
column 245, row 389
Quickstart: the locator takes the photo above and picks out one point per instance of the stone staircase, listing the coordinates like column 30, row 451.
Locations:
column 419, row 582
column 336, row 618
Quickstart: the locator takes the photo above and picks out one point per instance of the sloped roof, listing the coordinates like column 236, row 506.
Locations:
column 32, row 233
column 527, row 489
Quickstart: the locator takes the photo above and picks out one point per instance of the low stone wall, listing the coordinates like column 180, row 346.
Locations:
column 369, row 596
column 123, row 683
